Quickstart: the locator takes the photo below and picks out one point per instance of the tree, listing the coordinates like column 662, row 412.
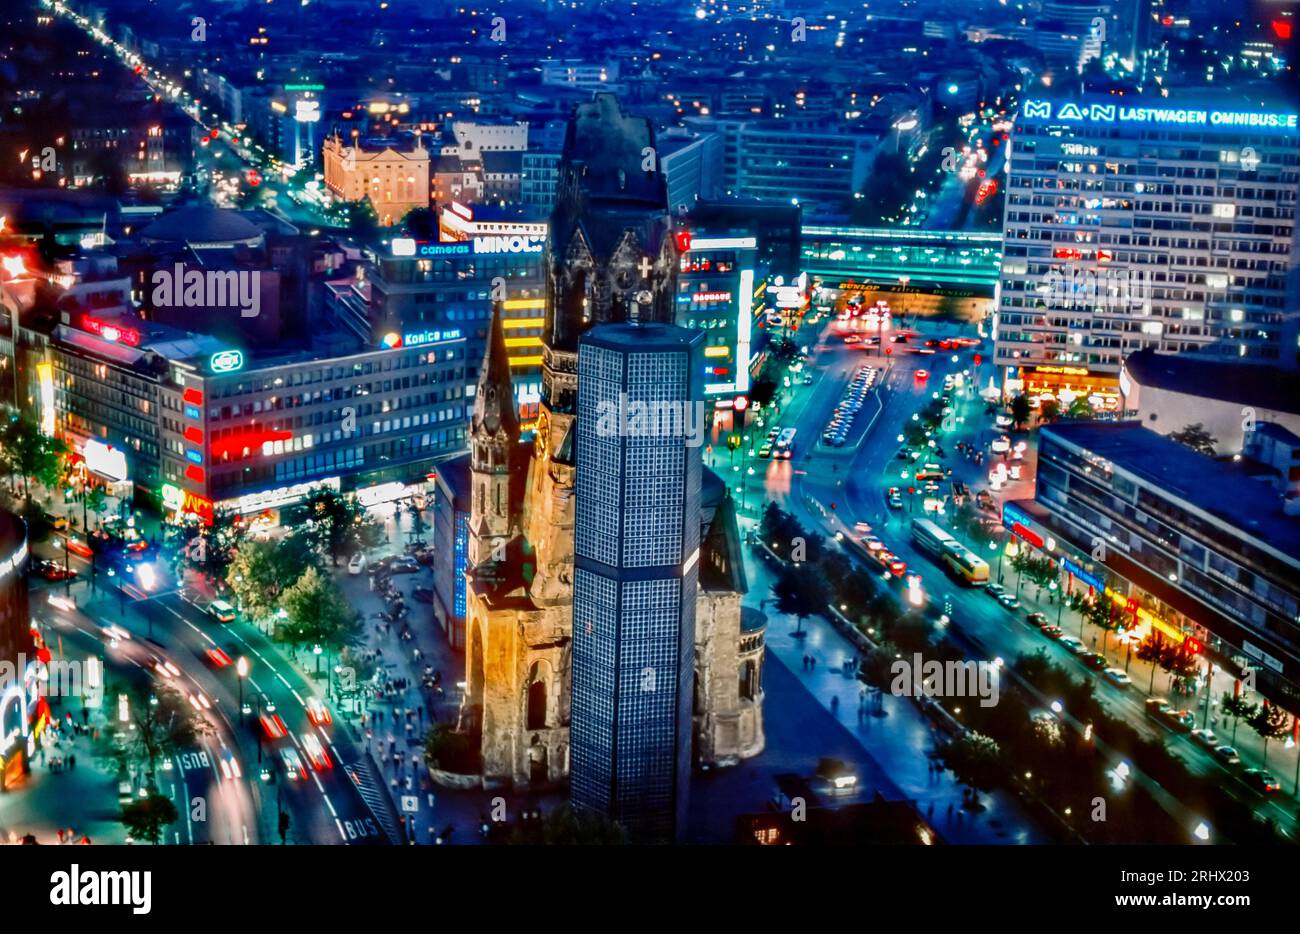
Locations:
column 1080, row 408
column 1020, row 410
column 450, row 750
column 161, row 724
column 1197, row 438
column 210, row 549
column 338, row 525
column 976, row 760
column 763, row 390
column 1270, row 722
column 96, row 501
column 799, row 592
column 1238, row 708
column 567, row 826
column 28, row 453
column 317, row 613
column 259, row 572
column 145, row 818
column 1049, row 411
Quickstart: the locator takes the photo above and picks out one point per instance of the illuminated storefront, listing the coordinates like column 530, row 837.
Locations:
column 716, row 294
column 1064, row 384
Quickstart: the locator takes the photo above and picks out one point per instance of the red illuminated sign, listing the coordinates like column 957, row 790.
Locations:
column 111, row 332
column 683, row 241
column 197, row 474
column 250, row 440
column 194, row 435
column 192, row 396
column 1028, row 535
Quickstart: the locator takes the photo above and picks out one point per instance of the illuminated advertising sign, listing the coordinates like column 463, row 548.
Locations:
column 226, row 361
column 1092, row 580
column 111, row 332
column 479, row 246
column 105, row 460
column 281, row 496
column 428, row 337
column 1111, row 113
column 45, row 378
column 183, row 501
column 306, row 111
column 700, row 298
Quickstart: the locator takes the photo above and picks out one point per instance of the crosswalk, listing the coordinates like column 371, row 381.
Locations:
column 370, row 785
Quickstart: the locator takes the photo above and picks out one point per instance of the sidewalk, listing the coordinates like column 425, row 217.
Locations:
column 83, row 799
column 902, row 741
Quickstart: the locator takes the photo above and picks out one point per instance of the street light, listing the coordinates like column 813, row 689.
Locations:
column 241, row 669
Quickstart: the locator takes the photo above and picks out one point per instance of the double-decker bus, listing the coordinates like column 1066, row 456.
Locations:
column 961, row 560
column 785, row 444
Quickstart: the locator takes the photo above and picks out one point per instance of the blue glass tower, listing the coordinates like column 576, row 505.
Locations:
column 640, row 422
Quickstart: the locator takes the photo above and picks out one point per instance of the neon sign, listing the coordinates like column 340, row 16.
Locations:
column 111, row 332
column 428, row 337
column 487, row 245
column 183, row 501
column 226, row 361
column 1184, row 116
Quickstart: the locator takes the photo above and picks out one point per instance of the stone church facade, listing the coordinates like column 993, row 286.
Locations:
column 612, row 256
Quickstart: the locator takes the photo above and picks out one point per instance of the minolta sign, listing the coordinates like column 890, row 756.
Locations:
column 479, row 246
column 1097, row 113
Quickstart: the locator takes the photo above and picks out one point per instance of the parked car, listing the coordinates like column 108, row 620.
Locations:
column 1227, row 755
column 1009, row 600
column 423, row 594
column 1037, row 619
column 1261, row 781
column 835, row 777
column 357, row 564
column 222, row 611
column 404, row 565
column 1180, row 721
column 1094, row 660
column 1204, row 737
column 1073, row 643
column 1117, row 677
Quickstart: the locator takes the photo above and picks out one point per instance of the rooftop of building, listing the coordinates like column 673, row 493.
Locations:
column 1262, row 387
column 1227, row 490
column 202, row 223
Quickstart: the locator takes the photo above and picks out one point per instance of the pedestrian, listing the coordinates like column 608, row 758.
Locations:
column 72, row 761
column 835, row 705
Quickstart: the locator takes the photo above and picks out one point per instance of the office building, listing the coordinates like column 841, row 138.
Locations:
column 636, row 549
column 1152, row 524
column 1166, row 224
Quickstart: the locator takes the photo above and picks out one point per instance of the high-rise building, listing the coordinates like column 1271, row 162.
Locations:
column 636, row 569
column 1129, row 224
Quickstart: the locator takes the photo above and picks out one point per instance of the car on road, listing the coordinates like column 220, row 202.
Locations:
column 807, row 379
column 423, row 594
column 1037, row 619
column 994, row 588
column 1156, row 706
column 1180, row 721
column 1073, row 643
column 1227, row 755
column 318, row 713
column 1204, row 737
column 77, row 546
column 404, row 565
column 230, row 770
column 164, row 667
column 357, row 564
column 895, row 501
column 316, row 753
column 1094, row 660
column 1009, row 600
column 293, row 767
column 873, row 543
column 897, row 568
column 1117, row 677
column 922, row 375
column 835, row 777
column 222, row 611
column 218, row 658
column 1053, row 631
column 1261, row 781
column 273, row 726
column 765, row 451
column 52, row 570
